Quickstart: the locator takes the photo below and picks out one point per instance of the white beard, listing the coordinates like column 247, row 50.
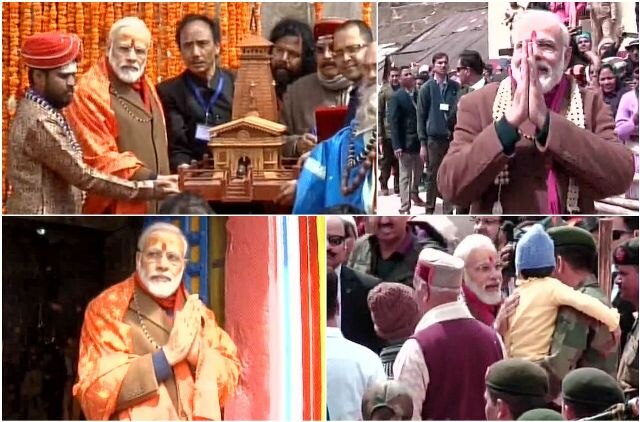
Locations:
column 492, row 298
column 547, row 81
column 128, row 76
column 159, row 289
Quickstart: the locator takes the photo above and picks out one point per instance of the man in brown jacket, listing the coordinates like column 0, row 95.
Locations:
column 118, row 118
column 535, row 143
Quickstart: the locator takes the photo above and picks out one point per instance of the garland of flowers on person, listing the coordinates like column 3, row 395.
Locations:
column 317, row 11
column 367, row 8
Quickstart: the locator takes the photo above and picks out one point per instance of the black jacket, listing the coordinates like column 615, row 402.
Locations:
column 355, row 318
column 402, row 122
column 183, row 113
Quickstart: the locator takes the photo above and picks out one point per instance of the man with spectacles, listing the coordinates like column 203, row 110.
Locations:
column 324, row 88
column 292, row 53
column 118, row 119
column 148, row 349
column 349, row 42
column 354, row 318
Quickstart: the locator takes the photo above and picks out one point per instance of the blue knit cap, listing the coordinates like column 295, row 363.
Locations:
column 535, row 250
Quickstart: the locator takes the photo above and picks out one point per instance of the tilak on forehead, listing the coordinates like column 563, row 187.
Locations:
column 130, row 31
column 165, row 241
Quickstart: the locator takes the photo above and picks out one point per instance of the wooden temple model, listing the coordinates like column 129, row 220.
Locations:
column 247, row 160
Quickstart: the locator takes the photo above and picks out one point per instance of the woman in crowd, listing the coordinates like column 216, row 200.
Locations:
column 627, row 115
column 611, row 87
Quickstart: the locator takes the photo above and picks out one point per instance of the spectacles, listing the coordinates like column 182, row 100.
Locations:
column 459, row 68
column 335, row 240
column 350, row 50
column 156, row 256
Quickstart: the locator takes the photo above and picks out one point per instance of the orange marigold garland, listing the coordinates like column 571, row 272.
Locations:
column 210, row 9
column 37, row 17
column 94, row 49
column 109, row 18
column 233, row 34
column 118, row 11
column 79, row 22
column 25, row 30
column 366, row 12
column 224, row 31
column 14, row 57
column 53, row 17
column 62, row 16
column 317, row 9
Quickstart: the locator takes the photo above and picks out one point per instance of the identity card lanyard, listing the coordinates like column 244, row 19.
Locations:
column 202, row 130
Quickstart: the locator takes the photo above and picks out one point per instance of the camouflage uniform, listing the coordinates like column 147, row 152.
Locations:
column 628, row 371
column 388, row 160
column 579, row 341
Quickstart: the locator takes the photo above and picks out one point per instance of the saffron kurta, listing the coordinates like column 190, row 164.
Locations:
column 116, row 378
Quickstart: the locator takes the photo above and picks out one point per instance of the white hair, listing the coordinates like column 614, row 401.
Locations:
column 129, row 21
column 367, row 113
column 471, row 243
column 165, row 228
column 543, row 16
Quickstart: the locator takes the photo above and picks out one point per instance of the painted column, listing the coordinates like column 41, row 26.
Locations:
column 250, row 271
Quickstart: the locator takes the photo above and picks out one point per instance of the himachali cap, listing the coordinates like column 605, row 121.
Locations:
column 324, row 29
column 627, row 253
column 591, row 386
column 51, row 50
column 439, row 269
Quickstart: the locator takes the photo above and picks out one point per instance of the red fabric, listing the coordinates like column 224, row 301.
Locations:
column 141, row 88
column 326, row 27
column 50, row 50
column 174, row 303
column 480, row 310
column 554, row 100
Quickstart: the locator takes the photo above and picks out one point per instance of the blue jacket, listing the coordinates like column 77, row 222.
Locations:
column 319, row 184
column 433, row 122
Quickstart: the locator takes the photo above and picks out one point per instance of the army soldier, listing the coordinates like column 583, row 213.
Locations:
column 588, row 392
column 389, row 160
column 626, row 259
column 578, row 341
column 514, row 386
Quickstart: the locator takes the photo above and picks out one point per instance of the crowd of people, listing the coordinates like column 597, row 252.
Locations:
column 112, row 141
column 510, row 322
column 559, row 120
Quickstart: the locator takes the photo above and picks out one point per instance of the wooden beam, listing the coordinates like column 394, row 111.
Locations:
column 605, row 228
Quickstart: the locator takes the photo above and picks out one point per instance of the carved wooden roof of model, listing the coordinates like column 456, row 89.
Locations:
column 255, row 122
column 254, row 40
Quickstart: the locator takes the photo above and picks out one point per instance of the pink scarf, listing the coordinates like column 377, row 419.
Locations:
column 554, row 99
